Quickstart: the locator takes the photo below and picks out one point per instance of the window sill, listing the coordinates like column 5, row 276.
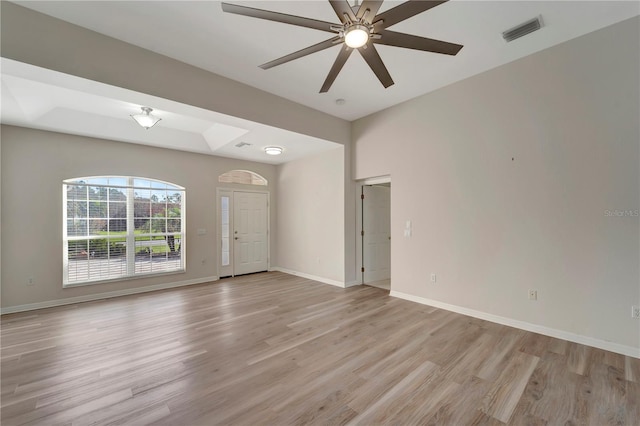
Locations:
column 114, row 280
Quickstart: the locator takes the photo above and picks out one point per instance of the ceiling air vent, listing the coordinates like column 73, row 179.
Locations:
column 523, row 29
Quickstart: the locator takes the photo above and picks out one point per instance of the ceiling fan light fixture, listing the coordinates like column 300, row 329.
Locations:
column 273, row 150
column 145, row 118
column 356, row 36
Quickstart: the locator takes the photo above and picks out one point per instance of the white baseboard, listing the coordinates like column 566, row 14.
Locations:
column 308, row 276
column 352, row 283
column 107, row 295
column 552, row 332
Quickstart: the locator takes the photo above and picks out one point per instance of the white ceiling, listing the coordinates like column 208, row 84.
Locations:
column 199, row 33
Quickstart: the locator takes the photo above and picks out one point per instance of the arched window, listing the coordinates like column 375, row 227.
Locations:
column 242, row 176
column 120, row 226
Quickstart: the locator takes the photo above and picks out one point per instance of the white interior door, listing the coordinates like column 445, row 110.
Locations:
column 376, row 241
column 250, row 236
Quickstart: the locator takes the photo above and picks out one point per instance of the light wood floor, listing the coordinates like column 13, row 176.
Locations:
column 383, row 284
column 276, row 349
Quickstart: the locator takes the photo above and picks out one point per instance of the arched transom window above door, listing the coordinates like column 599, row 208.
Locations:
column 245, row 177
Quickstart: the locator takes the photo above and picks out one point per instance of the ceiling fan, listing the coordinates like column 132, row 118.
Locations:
column 360, row 28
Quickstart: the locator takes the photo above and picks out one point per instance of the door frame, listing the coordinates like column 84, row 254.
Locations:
column 359, row 212
column 218, row 234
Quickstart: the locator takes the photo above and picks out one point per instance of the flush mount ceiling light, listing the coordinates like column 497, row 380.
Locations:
column 146, row 119
column 273, row 150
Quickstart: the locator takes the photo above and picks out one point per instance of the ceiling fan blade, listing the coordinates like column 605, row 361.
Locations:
column 370, row 54
column 372, row 5
column 404, row 11
column 341, row 7
column 344, row 54
column 300, row 53
column 408, row 41
column 278, row 17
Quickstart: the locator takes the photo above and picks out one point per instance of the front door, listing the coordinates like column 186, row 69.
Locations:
column 243, row 230
column 250, row 239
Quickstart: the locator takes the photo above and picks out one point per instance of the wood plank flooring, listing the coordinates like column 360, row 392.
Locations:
column 276, row 349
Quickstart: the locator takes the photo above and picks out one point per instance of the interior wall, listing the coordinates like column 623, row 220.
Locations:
column 34, row 163
column 514, row 180
column 311, row 219
column 350, row 222
column 34, row 38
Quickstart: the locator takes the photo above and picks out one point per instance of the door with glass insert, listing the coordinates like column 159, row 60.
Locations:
column 243, row 218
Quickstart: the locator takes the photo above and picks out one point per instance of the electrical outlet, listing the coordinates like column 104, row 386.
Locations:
column 30, row 281
column 433, row 278
column 533, row 294
column 635, row 312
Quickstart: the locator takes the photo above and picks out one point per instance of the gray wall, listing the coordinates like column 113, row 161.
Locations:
column 507, row 177
column 34, row 164
column 311, row 220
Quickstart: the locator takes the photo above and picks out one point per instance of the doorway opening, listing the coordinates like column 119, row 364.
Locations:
column 243, row 229
column 376, row 233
